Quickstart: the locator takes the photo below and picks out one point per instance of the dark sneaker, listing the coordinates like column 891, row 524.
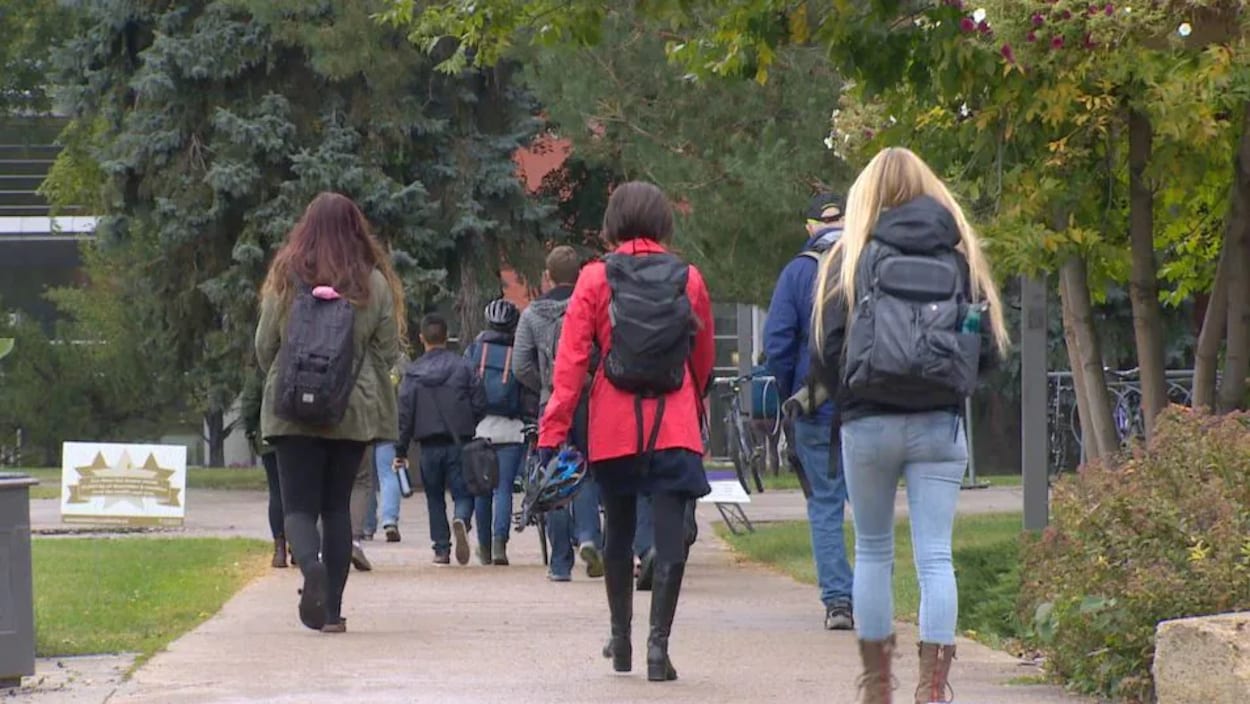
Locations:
column 460, row 536
column 483, row 554
column 359, row 560
column 392, row 533
column 839, row 617
column 594, row 561
column 558, row 577
column 312, row 598
column 442, row 558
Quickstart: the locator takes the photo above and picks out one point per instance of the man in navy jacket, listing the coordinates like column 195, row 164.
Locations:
column 786, row 334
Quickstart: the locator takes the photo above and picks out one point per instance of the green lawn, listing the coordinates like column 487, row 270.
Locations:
column 134, row 594
column 985, row 553
column 249, row 478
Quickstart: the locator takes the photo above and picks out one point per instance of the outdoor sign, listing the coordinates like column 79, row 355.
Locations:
column 726, row 489
column 133, row 485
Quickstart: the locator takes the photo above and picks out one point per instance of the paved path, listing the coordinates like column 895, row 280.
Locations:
column 242, row 513
column 420, row 633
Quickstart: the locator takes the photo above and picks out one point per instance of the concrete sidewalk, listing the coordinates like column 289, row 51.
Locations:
column 216, row 513
column 420, row 633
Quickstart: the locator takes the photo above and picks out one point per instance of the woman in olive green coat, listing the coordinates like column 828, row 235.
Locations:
column 332, row 253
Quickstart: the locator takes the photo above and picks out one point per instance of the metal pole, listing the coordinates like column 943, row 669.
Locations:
column 970, row 480
column 746, row 345
column 1033, row 402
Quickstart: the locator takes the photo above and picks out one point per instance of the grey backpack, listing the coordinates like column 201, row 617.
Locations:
column 316, row 365
column 904, row 346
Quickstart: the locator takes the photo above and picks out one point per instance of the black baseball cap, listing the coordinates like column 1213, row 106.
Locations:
column 822, row 202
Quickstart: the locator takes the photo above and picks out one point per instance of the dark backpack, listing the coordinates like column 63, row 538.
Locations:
column 904, row 347
column 316, row 366
column 494, row 368
column 652, row 330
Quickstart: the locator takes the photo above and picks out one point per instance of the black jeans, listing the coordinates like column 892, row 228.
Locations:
column 270, row 461
column 620, row 515
column 316, row 477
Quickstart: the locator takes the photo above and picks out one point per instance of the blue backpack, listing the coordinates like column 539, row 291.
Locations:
column 494, row 368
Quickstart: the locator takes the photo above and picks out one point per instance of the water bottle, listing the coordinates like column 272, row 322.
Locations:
column 972, row 319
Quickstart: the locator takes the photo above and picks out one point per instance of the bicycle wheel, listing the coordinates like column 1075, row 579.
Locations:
column 735, row 454
column 757, row 462
column 542, row 539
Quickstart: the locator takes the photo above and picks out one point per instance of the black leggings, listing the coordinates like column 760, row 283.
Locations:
column 270, row 461
column 620, row 519
column 316, row 478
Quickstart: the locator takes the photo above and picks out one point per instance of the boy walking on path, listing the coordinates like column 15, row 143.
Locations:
column 536, row 338
column 786, row 335
column 440, row 399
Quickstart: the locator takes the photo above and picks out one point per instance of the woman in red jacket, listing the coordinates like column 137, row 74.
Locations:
column 631, row 450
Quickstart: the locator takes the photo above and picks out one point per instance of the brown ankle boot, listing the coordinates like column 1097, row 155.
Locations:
column 876, row 685
column 935, row 668
column 279, row 552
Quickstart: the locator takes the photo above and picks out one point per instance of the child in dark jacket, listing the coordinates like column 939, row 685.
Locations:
column 440, row 404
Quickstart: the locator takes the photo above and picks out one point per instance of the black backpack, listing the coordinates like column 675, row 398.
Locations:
column 652, row 330
column 904, row 346
column 316, row 365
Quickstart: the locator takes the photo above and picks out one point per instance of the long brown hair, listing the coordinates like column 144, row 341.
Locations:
column 332, row 245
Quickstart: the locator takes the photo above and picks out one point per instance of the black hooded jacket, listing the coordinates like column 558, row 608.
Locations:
column 921, row 227
column 440, row 400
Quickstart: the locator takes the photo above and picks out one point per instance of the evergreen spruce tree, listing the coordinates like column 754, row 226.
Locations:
column 214, row 122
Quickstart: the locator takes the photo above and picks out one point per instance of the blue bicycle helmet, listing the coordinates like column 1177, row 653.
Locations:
column 554, row 486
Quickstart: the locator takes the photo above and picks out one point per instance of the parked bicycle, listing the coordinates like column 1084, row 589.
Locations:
column 746, row 454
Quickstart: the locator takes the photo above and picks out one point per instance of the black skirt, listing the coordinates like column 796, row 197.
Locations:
column 674, row 471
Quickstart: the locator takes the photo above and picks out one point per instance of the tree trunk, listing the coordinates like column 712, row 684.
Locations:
column 215, row 427
column 1143, row 279
column 1211, row 338
column 1078, row 374
column 1093, row 401
column 1237, row 247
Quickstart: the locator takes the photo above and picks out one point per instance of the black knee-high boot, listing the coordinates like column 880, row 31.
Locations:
column 665, row 591
column 618, row 577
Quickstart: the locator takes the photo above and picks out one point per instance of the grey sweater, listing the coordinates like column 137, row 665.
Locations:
column 533, row 353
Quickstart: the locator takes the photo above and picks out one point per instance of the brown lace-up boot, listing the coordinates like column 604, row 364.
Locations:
column 279, row 552
column 876, row 685
column 935, row 668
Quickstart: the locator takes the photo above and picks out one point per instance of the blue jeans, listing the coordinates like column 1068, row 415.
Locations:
column 825, row 509
column 644, row 532
column 441, row 472
column 574, row 525
column 388, row 483
column 928, row 449
column 496, row 510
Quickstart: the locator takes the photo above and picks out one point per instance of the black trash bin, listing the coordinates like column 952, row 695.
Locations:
column 17, row 611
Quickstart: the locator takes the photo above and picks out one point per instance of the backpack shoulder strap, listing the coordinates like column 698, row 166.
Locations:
column 481, row 363
column 810, row 254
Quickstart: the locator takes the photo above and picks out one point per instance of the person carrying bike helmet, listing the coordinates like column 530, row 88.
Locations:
column 508, row 403
column 650, row 316
column 786, row 335
column 576, row 527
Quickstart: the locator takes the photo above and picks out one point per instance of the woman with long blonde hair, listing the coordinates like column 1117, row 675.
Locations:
column 907, row 314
